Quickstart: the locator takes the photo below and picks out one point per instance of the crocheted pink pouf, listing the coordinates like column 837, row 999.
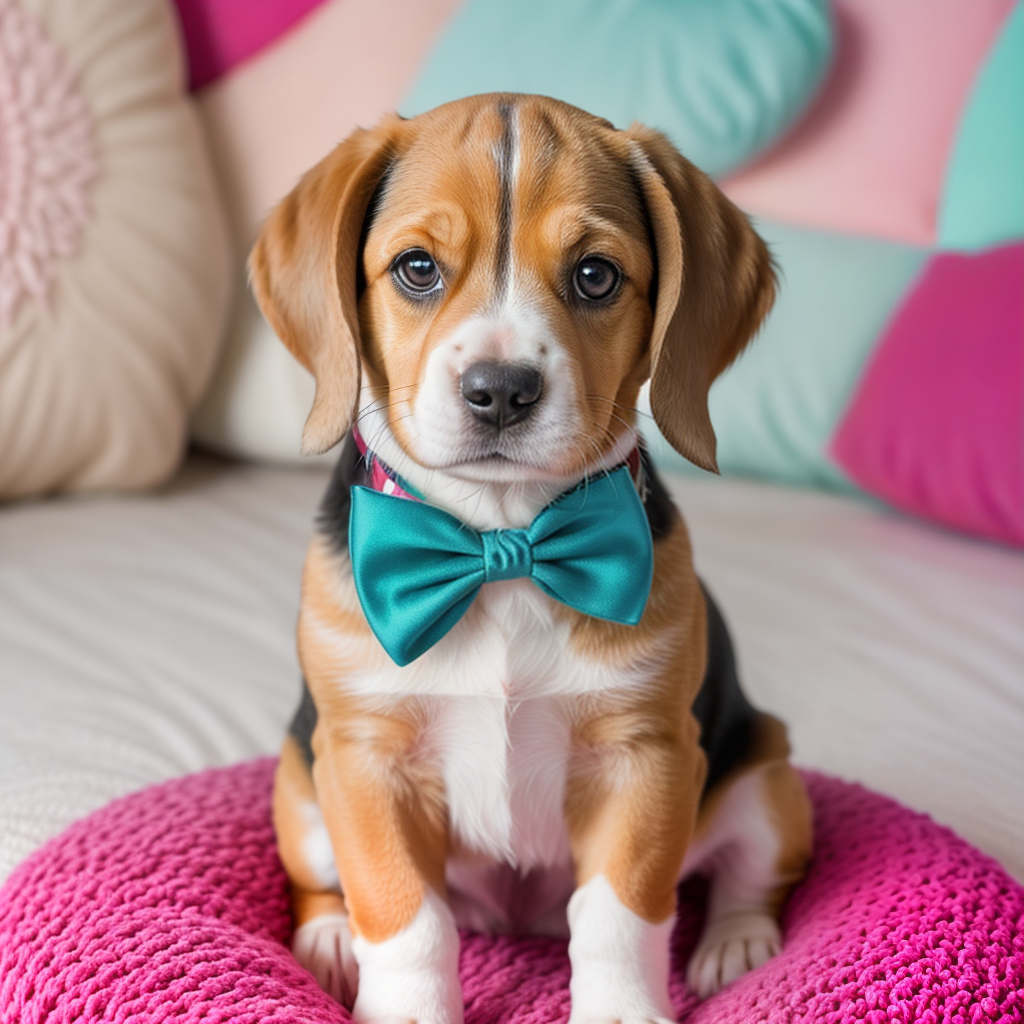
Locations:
column 171, row 903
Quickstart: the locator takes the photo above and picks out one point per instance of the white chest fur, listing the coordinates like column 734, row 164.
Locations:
column 501, row 689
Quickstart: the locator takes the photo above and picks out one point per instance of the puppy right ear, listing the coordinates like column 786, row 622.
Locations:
column 303, row 272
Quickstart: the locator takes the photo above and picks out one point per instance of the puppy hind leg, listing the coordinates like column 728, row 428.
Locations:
column 759, row 842
column 322, row 940
column 322, row 943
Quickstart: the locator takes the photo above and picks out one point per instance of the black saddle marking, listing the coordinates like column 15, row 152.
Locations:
column 349, row 471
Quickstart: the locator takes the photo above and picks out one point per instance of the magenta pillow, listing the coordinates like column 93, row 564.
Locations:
column 936, row 425
column 172, row 904
column 222, row 33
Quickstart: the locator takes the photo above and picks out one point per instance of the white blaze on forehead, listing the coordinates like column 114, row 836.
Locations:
column 507, row 158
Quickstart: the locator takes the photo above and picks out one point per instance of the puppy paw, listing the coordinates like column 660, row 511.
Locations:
column 729, row 948
column 324, row 947
column 620, row 961
column 412, row 977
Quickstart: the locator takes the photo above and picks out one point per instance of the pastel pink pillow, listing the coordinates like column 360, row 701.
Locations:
column 172, row 904
column 870, row 155
column 936, row 425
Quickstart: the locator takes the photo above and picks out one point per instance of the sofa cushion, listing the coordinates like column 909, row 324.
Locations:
column 870, row 155
column 114, row 261
column 936, row 425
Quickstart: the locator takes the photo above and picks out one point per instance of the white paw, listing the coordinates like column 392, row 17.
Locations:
column 729, row 947
column 412, row 977
column 324, row 947
column 619, row 961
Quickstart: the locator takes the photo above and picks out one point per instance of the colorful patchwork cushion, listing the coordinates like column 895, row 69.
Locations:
column 912, row 355
column 172, row 904
column 114, row 262
column 914, row 144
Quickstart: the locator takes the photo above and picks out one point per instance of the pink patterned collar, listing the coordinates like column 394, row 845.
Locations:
column 384, row 479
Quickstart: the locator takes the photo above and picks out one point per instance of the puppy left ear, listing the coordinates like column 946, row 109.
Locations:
column 303, row 270
column 715, row 284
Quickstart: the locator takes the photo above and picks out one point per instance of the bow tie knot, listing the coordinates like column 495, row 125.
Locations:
column 507, row 554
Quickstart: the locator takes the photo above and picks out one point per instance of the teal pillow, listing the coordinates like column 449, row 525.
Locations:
column 775, row 409
column 721, row 77
column 983, row 199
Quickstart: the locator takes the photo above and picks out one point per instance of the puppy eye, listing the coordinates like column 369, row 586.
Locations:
column 596, row 278
column 416, row 272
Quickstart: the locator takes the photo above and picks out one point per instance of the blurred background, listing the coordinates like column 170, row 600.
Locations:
column 879, row 147
column 865, row 540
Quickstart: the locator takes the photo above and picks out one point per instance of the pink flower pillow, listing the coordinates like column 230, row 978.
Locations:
column 936, row 425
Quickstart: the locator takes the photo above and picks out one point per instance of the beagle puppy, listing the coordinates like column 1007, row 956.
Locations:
column 480, row 292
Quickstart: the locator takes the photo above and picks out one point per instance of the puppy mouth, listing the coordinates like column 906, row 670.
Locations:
column 496, row 462
column 483, row 459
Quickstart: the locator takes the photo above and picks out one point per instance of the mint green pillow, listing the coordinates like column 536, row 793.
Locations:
column 721, row 77
column 775, row 409
column 983, row 199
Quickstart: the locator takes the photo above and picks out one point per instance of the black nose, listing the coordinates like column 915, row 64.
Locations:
column 501, row 393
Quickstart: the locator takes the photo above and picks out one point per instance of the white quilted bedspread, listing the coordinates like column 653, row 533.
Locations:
column 146, row 637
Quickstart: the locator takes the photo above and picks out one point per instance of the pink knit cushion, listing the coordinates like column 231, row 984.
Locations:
column 171, row 904
column 936, row 425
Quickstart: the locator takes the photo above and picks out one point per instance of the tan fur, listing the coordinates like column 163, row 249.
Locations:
column 698, row 281
column 303, row 272
column 458, row 229
column 785, row 798
column 716, row 284
column 384, row 815
column 387, row 831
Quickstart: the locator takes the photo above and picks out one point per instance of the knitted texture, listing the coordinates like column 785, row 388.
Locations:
column 171, row 903
column 47, row 159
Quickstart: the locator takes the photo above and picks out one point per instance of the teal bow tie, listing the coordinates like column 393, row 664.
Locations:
column 417, row 568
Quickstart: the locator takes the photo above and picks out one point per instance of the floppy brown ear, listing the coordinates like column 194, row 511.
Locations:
column 715, row 284
column 303, row 272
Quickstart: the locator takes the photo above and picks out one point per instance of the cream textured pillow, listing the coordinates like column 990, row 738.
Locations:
column 115, row 269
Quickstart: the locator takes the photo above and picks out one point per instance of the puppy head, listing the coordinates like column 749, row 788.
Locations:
column 505, row 272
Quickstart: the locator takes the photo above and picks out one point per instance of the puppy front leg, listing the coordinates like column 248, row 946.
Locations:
column 628, row 841
column 390, row 847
